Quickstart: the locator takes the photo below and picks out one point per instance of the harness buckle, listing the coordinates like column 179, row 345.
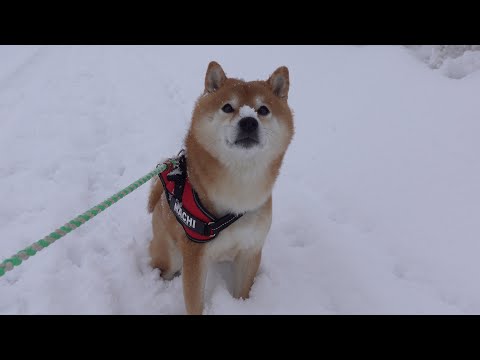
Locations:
column 211, row 235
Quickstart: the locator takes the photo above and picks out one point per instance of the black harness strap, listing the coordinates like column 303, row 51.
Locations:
column 223, row 222
column 179, row 176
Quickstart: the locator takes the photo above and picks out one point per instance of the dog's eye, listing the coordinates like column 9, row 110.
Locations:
column 263, row 111
column 227, row 108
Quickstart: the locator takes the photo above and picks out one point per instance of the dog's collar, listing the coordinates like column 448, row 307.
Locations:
column 199, row 225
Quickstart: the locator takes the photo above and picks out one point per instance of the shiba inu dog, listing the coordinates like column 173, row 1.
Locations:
column 221, row 208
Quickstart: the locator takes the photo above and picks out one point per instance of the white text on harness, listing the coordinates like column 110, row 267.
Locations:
column 187, row 220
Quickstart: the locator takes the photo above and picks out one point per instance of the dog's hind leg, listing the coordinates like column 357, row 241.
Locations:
column 164, row 252
column 165, row 256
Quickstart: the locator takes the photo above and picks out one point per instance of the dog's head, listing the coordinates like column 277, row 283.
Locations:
column 236, row 120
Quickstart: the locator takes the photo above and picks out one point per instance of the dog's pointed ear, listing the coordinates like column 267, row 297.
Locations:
column 215, row 77
column 279, row 82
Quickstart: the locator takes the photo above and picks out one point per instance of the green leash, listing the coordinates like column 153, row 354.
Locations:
column 31, row 250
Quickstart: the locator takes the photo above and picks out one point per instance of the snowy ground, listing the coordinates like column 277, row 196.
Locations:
column 376, row 210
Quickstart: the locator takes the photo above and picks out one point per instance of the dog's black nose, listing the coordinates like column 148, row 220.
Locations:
column 248, row 124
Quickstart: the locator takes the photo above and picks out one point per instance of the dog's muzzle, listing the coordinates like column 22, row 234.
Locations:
column 247, row 133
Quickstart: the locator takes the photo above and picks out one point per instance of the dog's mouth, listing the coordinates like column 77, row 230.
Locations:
column 247, row 141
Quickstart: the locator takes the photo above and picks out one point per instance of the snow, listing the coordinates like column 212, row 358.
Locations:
column 246, row 111
column 375, row 210
column 454, row 61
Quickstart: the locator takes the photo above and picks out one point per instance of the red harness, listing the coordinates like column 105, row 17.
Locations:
column 199, row 225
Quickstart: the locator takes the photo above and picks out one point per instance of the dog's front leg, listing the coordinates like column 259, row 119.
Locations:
column 194, row 275
column 245, row 267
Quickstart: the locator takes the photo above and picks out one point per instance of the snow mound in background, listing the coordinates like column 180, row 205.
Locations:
column 454, row 61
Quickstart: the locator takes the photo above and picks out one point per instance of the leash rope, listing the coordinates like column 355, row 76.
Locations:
column 22, row 255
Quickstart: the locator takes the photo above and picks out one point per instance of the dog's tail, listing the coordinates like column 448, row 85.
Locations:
column 156, row 191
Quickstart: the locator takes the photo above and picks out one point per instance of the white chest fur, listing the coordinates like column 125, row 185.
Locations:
column 246, row 234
